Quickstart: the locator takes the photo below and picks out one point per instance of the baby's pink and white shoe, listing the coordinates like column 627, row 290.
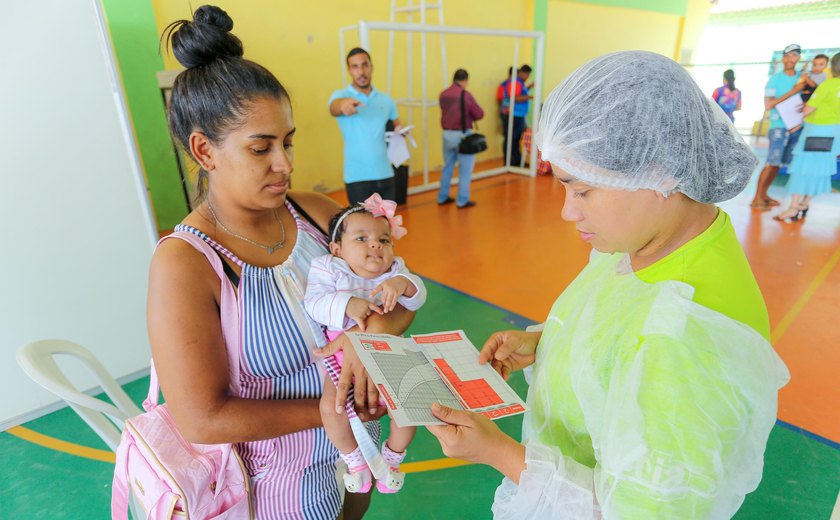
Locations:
column 358, row 480
column 394, row 480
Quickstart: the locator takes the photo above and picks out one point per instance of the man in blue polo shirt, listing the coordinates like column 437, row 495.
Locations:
column 362, row 113
column 780, row 86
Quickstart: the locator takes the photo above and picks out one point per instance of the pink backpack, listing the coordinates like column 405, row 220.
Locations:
column 169, row 476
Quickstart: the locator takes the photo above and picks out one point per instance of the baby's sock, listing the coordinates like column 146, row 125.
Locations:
column 393, row 458
column 358, row 479
column 392, row 482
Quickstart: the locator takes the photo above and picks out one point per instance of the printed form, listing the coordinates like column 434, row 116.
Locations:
column 412, row 373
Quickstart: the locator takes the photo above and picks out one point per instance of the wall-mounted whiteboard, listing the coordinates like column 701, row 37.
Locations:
column 77, row 229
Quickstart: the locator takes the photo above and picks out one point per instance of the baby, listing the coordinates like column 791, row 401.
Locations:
column 813, row 78
column 360, row 276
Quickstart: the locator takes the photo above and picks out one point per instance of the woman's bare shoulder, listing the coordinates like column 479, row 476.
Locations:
column 179, row 261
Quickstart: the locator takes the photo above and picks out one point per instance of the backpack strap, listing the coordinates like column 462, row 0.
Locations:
column 120, row 494
column 228, row 312
column 229, row 315
column 231, row 274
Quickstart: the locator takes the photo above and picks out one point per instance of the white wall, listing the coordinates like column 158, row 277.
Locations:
column 77, row 232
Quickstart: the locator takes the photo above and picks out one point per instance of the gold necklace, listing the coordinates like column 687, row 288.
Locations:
column 269, row 249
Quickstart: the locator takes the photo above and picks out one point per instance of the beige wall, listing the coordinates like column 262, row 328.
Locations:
column 298, row 41
column 578, row 32
column 696, row 17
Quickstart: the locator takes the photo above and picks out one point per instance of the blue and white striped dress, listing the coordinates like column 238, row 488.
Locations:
column 293, row 476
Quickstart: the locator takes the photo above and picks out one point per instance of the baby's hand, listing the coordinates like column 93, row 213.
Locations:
column 391, row 289
column 358, row 309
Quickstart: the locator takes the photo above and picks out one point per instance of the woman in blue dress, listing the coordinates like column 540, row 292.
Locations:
column 815, row 155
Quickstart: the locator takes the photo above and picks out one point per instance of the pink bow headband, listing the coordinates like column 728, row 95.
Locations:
column 378, row 207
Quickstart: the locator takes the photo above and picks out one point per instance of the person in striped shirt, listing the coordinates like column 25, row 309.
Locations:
column 232, row 343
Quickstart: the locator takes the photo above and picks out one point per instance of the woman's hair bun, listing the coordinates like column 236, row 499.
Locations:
column 215, row 16
column 204, row 39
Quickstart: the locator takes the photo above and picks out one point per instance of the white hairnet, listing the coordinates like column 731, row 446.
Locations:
column 637, row 120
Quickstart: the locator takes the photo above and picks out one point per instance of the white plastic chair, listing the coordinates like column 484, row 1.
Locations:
column 38, row 361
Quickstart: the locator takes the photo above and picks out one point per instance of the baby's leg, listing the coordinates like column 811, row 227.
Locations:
column 337, row 426
column 400, row 438
column 393, row 451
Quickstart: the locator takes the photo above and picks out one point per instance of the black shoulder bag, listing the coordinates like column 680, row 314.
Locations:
column 473, row 143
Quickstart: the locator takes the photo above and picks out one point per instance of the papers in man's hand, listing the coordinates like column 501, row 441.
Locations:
column 404, row 130
column 397, row 146
column 412, row 373
column 790, row 110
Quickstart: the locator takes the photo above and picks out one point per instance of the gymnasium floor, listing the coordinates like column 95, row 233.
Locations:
column 500, row 265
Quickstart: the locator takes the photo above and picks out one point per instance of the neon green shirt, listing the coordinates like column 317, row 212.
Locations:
column 715, row 265
column 660, row 385
column 826, row 100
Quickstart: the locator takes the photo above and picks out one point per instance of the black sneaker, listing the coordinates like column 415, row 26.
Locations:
column 447, row 201
column 468, row 204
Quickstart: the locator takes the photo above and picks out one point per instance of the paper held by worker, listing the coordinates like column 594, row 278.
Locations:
column 790, row 110
column 413, row 373
column 398, row 145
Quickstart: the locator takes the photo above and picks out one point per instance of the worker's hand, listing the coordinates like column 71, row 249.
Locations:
column 348, row 106
column 353, row 376
column 510, row 350
column 473, row 437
